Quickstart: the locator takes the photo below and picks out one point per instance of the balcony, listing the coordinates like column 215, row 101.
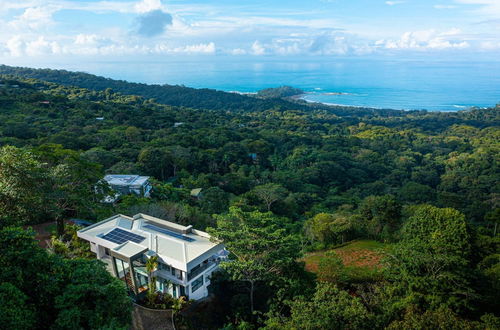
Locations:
column 192, row 274
column 168, row 276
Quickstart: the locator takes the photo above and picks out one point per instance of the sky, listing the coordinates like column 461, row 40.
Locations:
column 41, row 29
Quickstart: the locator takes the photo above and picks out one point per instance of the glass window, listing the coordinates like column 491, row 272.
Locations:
column 159, row 285
column 162, row 266
column 197, row 284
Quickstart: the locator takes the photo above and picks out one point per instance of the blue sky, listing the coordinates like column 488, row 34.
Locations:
column 40, row 29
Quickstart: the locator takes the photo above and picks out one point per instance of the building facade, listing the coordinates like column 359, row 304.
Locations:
column 186, row 256
column 127, row 184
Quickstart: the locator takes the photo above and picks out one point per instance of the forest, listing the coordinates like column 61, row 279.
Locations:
column 282, row 182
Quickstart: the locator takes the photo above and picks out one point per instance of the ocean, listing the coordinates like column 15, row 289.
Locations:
column 434, row 85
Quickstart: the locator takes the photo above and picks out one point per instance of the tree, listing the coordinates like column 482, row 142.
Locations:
column 23, row 182
column 51, row 292
column 442, row 318
column 72, row 184
column 329, row 308
column 91, row 298
column 214, row 200
column 70, row 245
column 261, row 247
column 431, row 260
column 178, row 158
column 380, row 214
column 414, row 192
column 133, row 134
column 270, row 193
column 329, row 228
column 15, row 312
column 152, row 161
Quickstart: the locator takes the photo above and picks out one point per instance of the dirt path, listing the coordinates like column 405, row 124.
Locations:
column 42, row 233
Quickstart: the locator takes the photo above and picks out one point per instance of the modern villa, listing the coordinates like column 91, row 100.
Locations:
column 186, row 256
column 127, row 184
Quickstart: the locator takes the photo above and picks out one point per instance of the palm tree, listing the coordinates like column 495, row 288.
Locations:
column 151, row 266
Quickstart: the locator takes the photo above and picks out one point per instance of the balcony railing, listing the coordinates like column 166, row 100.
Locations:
column 168, row 275
column 201, row 269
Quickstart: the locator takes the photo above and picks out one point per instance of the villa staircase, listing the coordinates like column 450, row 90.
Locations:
column 128, row 281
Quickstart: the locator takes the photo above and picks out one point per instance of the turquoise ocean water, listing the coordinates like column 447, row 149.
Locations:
column 445, row 85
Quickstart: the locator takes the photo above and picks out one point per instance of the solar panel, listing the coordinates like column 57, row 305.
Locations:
column 168, row 232
column 120, row 236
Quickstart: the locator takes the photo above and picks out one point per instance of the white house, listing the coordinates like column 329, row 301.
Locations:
column 126, row 184
column 186, row 256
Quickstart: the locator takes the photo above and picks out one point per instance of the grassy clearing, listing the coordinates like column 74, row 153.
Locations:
column 364, row 254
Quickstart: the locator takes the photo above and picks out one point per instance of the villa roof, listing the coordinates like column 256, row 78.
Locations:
column 173, row 242
column 129, row 249
column 125, row 179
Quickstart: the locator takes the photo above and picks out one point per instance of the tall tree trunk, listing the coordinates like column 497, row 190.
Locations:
column 60, row 225
column 251, row 295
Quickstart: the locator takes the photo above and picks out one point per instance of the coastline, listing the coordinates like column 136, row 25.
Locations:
column 303, row 97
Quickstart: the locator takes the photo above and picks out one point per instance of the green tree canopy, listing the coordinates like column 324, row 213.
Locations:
column 51, row 292
column 431, row 259
column 23, row 181
column 262, row 248
column 329, row 308
column 270, row 193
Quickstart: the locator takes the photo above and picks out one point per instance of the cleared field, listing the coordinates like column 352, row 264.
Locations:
column 355, row 254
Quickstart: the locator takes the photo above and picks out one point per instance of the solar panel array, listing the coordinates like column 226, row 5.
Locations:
column 169, row 232
column 120, row 236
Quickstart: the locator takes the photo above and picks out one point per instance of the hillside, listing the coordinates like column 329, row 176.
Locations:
column 276, row 185
column 166, row 94
column 183, row 96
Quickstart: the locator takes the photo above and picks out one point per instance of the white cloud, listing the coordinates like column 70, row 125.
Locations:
column 18, row 47
column 94, row 45
column 34, row 18
column 339, row 43
column 426, row 40
column 30, row 28
column 258, row 49
column 15, row 46
column 208, row 48
column 393, row 3
column 41, row 46
column 148, row 5
column 90, row 44
column 238, row 51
